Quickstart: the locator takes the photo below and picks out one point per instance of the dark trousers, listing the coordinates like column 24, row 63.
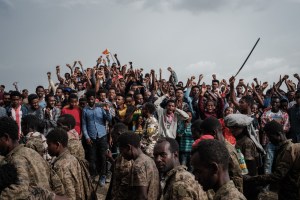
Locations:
column 96, row 156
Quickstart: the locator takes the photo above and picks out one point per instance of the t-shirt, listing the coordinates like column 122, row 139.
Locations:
column 76, row 112
column 144, row 173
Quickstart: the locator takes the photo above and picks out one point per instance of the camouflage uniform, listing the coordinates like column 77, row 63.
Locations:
column 181, row 184
column 121, row 179
column 37, row 193
column 235, row 172
column 144, row 173
column 150, row 136
column 228, row 192
column 32, row 169
column 37, row 142
column 74, row 145
column 286, row 171
column 69, row 170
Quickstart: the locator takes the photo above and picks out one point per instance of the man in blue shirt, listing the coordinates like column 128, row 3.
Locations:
column 94, row 119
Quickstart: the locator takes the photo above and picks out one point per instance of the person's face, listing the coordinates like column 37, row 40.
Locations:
column 122, row 84
column 91, row 101
column 275, row 103
column 291, row 96
column 67, row 76
column 119, row 100
column 284, row 106
column 215, row 85
column 51, row 102
column 6, row 100
column 243, row 105
column 165, row 85
column 144, row 111
column 58, row 105
column 236, row 131
column 134, row 88
column 15, row 101
column 147, row 95
column 203, row 172
column 40, row 92
column 195, row 91
column 129, row 101
column 254, row 109
column 35, row 104
column 126, row 152
column 82, row 104
column 139, row 99
column 73, row 103
column 102, row 97
column 274, row 139
column 171, row 91
column 4, row 145
column 53, row 148
column 140, row 120
column 239, row 90
column 163, row 157
column 210, row 106
column 228, row 111
column 111, row 94
column 179, row 94
column 171, row 107
column 208, row 87
column 25, row 93
column 58, row 92
column 47, row 91
column 79, row 86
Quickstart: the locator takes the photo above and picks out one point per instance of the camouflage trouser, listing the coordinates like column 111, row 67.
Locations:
column 267, row 195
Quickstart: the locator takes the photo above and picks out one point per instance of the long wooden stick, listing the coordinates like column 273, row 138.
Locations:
column 247, row 57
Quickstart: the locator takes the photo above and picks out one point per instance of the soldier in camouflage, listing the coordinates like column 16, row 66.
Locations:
column 75, row 147
column 66, row 165
column 210, row 163
column 31, row 127
column 120, row 183
column 32, row 169
column 150, row 132
column 286, row 169
column 144, row 180
column 212, row 126
column 176, row 181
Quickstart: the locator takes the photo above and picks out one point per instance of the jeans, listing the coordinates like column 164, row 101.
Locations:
column 96, row 156
column 270, row 149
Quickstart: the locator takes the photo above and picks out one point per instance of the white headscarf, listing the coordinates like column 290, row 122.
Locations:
column 241, row 120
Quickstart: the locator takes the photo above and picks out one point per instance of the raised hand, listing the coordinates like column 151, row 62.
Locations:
column 57, row 69
column 200, row 76
column 232, row 80
column 214, row 77
column 285, row 77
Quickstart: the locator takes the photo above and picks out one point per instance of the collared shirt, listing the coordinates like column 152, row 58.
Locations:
column 228, row 192
column 94, row 121
column 181, row 184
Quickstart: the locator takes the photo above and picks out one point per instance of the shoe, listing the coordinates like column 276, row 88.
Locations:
column 102, row 181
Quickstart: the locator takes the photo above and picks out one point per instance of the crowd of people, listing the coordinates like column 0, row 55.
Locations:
column 148, row 137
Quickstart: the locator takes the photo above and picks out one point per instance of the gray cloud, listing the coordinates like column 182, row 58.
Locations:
column 5, row 6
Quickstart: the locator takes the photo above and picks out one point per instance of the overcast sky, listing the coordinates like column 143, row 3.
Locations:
column 192, row 36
